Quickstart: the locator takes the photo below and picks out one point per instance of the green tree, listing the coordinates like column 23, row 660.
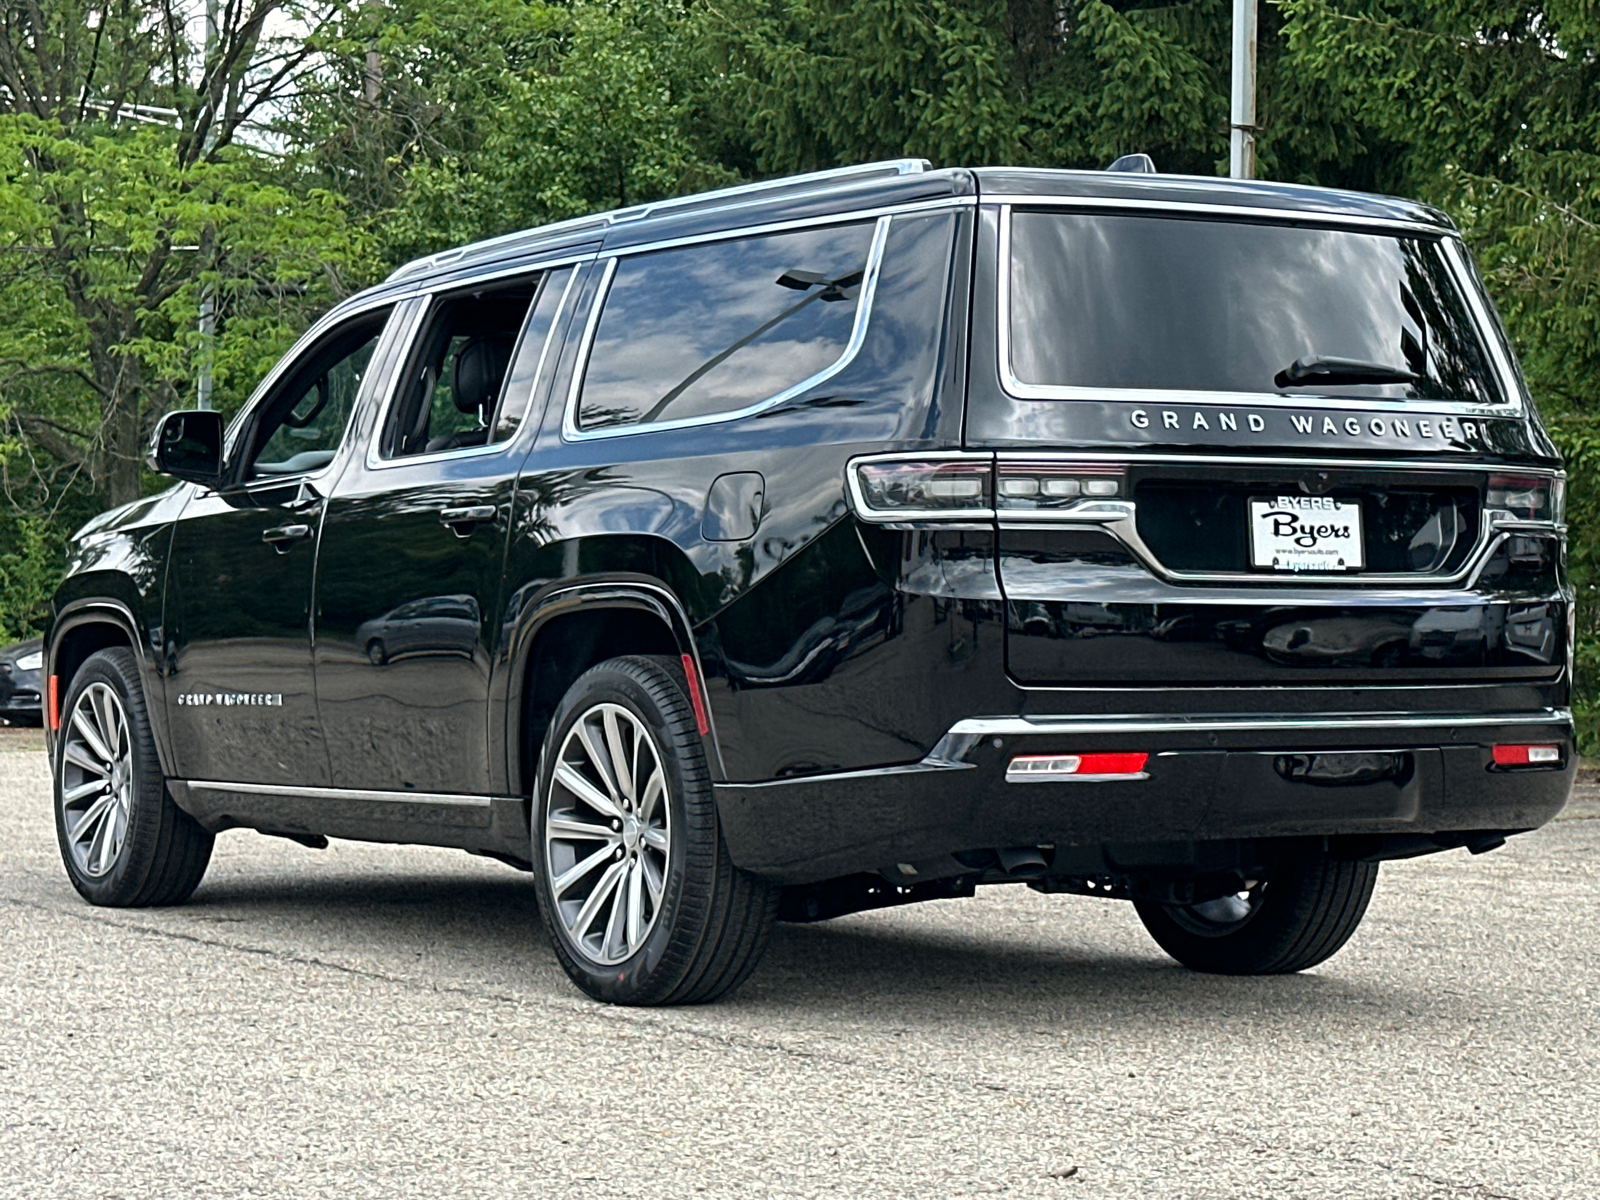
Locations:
column 132, row 177
column 452, row 121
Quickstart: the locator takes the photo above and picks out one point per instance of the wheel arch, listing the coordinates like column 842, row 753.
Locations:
column 87, row 625
column 574, row 625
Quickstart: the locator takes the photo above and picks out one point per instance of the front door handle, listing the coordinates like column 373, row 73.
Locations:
column 461, row 520
column 284, row 536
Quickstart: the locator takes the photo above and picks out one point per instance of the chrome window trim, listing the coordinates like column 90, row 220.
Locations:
column 572, row 432
column 374, row 457
column 355, row 795
column 1017, row 388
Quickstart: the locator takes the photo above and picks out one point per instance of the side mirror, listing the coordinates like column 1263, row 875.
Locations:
column 188, row 445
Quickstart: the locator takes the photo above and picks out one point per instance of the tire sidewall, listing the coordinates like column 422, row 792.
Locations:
column 127, row 876
column 1266, row 941
column 639, row 978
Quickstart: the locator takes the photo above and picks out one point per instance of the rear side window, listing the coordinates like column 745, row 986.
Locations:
column 712, row 329
column 453, row 386
column 1109, row 301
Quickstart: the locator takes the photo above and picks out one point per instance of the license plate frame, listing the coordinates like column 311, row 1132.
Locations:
column 1301, row 535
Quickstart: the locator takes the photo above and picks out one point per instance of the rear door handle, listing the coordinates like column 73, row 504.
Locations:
column 283, row 536
column 461, row 520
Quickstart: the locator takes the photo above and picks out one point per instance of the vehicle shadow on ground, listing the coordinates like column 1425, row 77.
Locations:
column 874, row 969
column 925, row 974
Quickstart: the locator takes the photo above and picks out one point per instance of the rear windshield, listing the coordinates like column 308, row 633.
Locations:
column 1104, row 300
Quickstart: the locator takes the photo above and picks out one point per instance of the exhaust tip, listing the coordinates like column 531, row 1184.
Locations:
column 1022, row 862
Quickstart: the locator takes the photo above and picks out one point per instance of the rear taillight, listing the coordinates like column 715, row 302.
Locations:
column 1527, row 497
column 1042, row 768
column 910, row 489
column 1527, row 756
column 1044, row 486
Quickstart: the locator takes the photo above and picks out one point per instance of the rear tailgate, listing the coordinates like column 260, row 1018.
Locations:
column 1171, row 586
column 1236, row 447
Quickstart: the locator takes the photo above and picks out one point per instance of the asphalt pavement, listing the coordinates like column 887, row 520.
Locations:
column 373, row 1021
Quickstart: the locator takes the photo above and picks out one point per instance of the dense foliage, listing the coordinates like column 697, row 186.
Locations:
column 315, row 144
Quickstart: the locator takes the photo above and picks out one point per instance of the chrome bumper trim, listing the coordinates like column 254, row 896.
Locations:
column 951, row 751
column 982, row 727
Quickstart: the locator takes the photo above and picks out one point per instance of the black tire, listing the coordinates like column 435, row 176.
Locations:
column 1297, row 918
column 710, row 925
column 163, row 852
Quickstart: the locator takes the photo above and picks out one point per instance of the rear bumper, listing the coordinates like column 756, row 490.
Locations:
column 1208, row 779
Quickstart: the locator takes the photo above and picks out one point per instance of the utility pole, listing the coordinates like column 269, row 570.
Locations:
column 208, row 293
column 1242, row 127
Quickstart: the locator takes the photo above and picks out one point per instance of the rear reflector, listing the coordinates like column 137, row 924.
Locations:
column 52, row 707
column 1042, row 768
column 696, row 701
column 1527, row 756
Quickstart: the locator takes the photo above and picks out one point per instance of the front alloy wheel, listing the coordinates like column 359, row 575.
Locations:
column 96, row 779
column 123, row 841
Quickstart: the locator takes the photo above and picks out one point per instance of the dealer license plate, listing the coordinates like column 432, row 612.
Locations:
column 1305, row 533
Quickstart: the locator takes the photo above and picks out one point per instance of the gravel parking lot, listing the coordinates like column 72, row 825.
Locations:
column 386, row 1022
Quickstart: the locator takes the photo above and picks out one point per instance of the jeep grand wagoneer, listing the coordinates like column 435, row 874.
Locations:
column 853, row 540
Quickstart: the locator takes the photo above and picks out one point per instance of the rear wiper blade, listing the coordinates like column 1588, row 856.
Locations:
column 1314, row 369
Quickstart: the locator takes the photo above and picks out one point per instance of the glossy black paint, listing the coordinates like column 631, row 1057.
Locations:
column 418, row 659
column 1081, row 611
column 1201, row 788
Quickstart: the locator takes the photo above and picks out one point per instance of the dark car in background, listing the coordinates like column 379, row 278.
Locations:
column 851, row 540
column 22, row 682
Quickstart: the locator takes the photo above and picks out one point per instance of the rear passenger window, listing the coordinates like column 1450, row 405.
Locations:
column 454, row 384
column 711, row 329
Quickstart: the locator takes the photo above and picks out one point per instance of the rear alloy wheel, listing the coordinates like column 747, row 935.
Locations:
column 124, row 842
column 1296, row 917
column 608, row 847
column 641, row 901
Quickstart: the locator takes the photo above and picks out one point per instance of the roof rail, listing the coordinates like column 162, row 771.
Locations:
column 602, row 221
column 894, row 166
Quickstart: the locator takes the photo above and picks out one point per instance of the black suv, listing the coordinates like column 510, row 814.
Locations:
column 846, row 541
